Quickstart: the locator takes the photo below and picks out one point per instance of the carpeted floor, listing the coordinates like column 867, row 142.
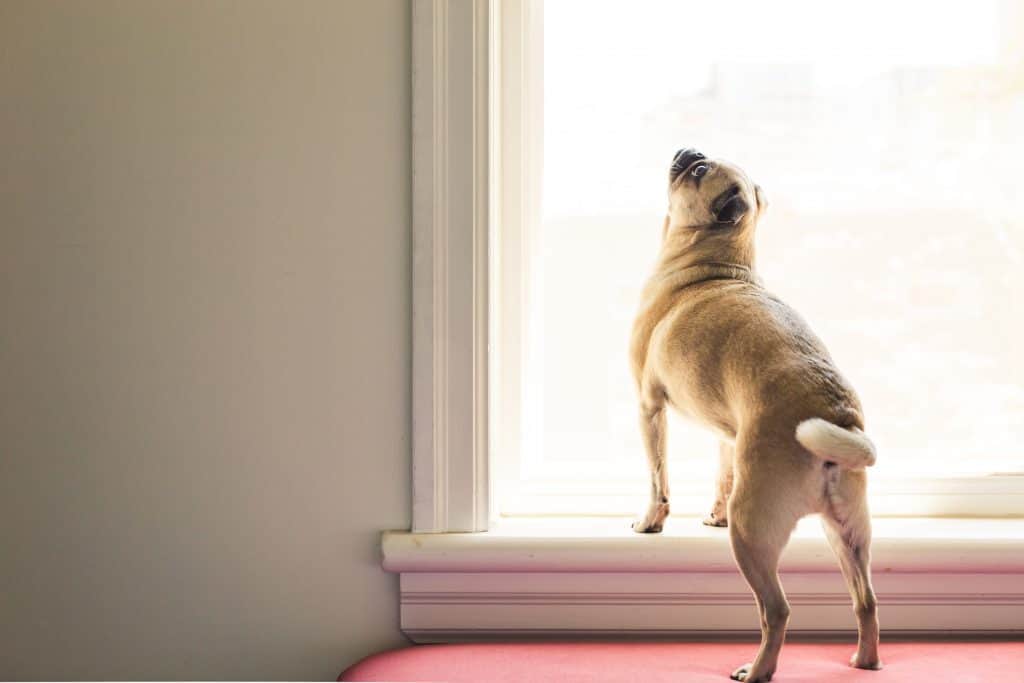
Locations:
column 684, row 662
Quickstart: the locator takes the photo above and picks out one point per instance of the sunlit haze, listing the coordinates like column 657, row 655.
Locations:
column 887, row 138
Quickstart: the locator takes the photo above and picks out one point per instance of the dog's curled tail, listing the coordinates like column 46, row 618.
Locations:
column 848, row 448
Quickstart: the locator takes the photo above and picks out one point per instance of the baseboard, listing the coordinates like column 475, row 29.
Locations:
column 445, row 607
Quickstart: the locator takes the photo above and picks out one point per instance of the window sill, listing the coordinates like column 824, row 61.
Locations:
column 608, row 545
column 593, row 576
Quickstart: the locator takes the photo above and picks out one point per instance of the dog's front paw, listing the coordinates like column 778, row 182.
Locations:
column 719, row 513
column 859, row 662
column 744, row 674
column 714, row 520
column 653, row 521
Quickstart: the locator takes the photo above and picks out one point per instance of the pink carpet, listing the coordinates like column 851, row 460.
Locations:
column 685, row 663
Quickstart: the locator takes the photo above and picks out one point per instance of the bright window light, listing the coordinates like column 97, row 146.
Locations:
column 887, row 137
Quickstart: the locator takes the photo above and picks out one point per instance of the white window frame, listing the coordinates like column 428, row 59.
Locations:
column 451, row 218
column 457, row 585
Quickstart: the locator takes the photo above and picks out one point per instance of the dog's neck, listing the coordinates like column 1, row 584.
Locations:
column 676, row 280
column 691, row 256
column 687, row 258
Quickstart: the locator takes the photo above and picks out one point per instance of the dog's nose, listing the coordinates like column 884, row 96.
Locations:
column 684, row 158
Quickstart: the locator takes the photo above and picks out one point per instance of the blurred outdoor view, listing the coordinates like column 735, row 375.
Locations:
column 887, row 137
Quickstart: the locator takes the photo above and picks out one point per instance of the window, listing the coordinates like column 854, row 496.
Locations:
column 892, row 160
column 524, row 170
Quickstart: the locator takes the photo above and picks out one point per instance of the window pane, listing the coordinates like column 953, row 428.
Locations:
column 887, row 139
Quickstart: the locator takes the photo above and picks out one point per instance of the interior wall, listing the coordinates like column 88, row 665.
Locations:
column 205, row 342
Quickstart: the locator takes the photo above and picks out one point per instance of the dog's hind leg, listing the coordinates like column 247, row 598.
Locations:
column 847, row 525
column 719, row 515
column 760, row 524
column 652, row 428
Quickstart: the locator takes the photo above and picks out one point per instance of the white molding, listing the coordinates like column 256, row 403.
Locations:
column 517, row 149
column 937, row 545
column 932, row 576
column 438, row 607
column 450, row 264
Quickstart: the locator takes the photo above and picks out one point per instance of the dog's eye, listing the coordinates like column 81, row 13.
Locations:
column 699, row 170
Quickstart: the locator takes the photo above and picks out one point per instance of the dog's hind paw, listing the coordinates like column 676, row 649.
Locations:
column 871, row 663
column 743, row 674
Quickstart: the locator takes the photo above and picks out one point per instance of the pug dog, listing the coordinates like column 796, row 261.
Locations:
column 712, row 343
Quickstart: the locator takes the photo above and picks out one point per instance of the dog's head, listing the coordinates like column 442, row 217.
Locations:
column 711, row 195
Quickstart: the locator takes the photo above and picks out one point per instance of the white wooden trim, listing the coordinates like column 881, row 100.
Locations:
column 517, row 148
column 910, row 546
column 932, row 576
column 450, row 264
column 498, row 606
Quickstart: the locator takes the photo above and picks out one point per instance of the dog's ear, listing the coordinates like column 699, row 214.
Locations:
column 762, row 201
column 732, row 210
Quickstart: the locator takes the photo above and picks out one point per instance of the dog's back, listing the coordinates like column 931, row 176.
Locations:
column 729, row 353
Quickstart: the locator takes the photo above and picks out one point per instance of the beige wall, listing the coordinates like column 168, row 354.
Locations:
column 205, row 335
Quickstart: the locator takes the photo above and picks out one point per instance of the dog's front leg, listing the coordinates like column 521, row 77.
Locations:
column 723, row 487
column 652, row 428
